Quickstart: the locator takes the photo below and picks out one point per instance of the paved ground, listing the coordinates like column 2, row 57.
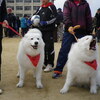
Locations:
column 29, row 91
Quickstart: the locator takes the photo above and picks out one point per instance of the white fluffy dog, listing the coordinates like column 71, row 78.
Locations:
column 31, row 55
column 82, row 65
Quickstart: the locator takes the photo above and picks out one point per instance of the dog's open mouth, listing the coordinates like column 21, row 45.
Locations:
column 34, row 46
column 93, row 45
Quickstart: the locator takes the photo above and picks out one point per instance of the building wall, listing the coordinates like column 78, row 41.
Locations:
column 21, row 7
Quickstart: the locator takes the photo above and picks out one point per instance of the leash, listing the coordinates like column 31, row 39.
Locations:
column 7, row 26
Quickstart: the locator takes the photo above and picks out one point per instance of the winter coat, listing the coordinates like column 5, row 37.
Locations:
column 23, row 22
column 78, row 15
column 47, row 13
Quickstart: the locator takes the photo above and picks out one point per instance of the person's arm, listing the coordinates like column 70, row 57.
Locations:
column 37, row 11
column 54, row 11
column 88, row 19
column 67, row 15
column 51, row 21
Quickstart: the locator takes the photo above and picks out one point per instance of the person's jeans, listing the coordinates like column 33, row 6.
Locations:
column 67, row 41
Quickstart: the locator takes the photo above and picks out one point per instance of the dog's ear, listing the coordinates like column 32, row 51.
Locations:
column 26, row 35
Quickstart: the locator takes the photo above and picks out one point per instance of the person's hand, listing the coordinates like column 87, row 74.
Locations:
column 5, row 23
column 71, row 30
column 42, row 23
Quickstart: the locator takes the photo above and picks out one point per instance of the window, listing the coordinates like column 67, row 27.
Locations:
column 19, row 0
column 20, row 15
column 35, row 7
column 27, row 1
column 29, row 15
column 10, row 1
column 12, row 7
column 27, row 8
column 36, row 0
column 19, row 8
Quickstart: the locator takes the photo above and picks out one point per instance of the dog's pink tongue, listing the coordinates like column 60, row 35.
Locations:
column 34, row 59
column 92, row 64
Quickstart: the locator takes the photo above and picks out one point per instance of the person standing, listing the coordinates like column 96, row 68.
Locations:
column 47, row 13
column 97, row 16
column 59, row 22
column 17, row 23
column 24, row 27
column 11, row 21
column 75, row 12
column 3, row 15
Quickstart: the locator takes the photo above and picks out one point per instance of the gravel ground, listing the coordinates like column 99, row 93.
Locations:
column 29, row 91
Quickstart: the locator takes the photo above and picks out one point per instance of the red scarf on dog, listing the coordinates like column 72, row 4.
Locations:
column 92, row 64
column 34, row 59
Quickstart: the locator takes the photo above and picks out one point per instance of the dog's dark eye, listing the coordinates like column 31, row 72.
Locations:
column 31, row 38
column 87, row 38
column 37, row 38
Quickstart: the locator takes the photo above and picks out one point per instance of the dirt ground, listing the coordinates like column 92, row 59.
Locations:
column 29, row 91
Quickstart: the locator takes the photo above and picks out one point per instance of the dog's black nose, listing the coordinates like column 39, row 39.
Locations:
column 94, row 36
column 36, row 43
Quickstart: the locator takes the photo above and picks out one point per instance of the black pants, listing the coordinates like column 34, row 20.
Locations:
column 10, row 32
column 98, row 35
column 24, row 31
column 49, row 47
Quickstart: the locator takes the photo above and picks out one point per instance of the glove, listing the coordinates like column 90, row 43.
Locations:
column 42, row 23
column 71, row 30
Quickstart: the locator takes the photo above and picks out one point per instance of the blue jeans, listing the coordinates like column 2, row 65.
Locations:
column 67, row 41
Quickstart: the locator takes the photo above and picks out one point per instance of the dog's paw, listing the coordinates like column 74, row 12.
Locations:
column 39, row 86
column 93, row 91
column 18, row 75
column 20, row 85
column 63, row 91
column 1, row 91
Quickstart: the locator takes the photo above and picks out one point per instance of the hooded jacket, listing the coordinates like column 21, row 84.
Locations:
column 77, row 15
column 47, row 13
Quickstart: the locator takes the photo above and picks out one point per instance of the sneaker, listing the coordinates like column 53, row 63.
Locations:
column 56, row 75
column 44, row 66
column 48, row 68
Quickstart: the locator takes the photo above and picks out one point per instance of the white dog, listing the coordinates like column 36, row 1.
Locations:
column 31, row 48
column 82, row 56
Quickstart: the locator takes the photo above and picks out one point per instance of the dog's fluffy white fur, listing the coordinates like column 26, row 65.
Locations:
column 31, row 44
column 77, row 71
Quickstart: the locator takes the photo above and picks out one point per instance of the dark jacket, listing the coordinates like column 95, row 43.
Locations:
column 78, row 15
column 11, row 19
column 59, row 18
column 47, row 13
column 97, row 20
column 3, row 14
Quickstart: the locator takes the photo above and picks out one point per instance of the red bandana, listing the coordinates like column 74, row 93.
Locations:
column 47, row 5
column 34, row 59
column 92, row 64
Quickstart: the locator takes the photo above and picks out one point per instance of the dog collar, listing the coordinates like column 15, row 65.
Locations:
column 92, row 64
column 34, row 59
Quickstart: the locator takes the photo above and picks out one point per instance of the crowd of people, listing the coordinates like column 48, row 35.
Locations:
column 75, row 12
